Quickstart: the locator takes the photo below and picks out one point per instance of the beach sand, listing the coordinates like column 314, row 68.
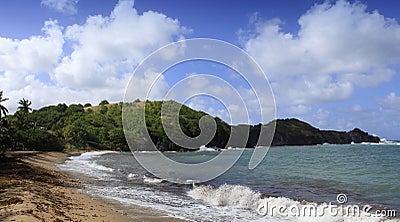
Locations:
column 33, row 189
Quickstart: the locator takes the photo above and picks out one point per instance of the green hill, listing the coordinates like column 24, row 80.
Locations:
column 76, row 126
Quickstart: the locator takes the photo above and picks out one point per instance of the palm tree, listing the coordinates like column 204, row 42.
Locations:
column 3, row 109
column 24, row 105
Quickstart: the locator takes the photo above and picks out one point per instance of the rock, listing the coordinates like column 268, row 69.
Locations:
column 359, row 136
column 296, row 132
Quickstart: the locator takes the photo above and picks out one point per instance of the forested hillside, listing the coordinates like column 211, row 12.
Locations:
column 77, row 126
column 61, row 126
column 93, row 127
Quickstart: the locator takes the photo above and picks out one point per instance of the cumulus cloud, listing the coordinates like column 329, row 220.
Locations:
column 21, row 60
column 357, row 108
column 389, row 107
column 105, row 50
column 19, row 86
column 322, row 117
column 219, row 97
column 211, row 91
column 209, row 106
column 106, row 46
column 392, row 100
column 299, row 109
column 339, row 46
column 36, row 54
column 64, row 6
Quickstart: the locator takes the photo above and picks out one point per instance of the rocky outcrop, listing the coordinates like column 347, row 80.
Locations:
column 296, row 132
column 359, row 136
column 288, row 132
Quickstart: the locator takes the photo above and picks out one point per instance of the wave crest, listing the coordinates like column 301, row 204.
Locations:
column 236, row 196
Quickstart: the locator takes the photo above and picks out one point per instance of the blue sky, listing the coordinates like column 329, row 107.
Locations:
column 334, row 64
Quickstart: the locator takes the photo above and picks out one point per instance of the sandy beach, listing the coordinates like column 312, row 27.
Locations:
column 32, row 189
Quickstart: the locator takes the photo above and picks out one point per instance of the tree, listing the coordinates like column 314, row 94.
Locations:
column 5, row 136
column 103, row 109
column 25, row 105
column 3, row 109
column 23, row 111
column 37, row 139
column 104, row 102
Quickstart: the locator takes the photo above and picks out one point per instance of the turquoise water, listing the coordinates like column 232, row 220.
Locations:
column 367, row 174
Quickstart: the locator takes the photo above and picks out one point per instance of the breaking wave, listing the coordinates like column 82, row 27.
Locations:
column 242, row 197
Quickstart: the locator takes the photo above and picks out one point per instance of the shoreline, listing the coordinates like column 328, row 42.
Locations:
column 33, row 188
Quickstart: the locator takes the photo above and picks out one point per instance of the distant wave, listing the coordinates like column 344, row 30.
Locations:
column 152, row 152
column 207, row 149
column 91, row 154
column 145, row 151
column 389, row 142
column 237, row 148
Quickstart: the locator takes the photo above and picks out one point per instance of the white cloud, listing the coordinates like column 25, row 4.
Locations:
column 233, row 104
column 150, row 86
column 338, row 47
column 357, row 108
column 21, row 60
column 106, row 47
column 105, row 51
column 64, row 6
column 210, row 89
column 392, row 100
column 299, row 109
column 322, row 117
column 36, row 54
column 390, row 107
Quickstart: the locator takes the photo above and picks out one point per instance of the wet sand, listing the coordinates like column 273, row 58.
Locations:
column 32, row 188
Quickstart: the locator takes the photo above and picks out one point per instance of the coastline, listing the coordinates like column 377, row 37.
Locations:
column 32, row 188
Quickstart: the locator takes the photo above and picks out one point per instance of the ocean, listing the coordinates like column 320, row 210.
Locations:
column 366, row 176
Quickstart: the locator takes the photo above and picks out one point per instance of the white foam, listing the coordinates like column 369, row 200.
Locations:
column 172, row 204
column 85, row 164
column 224, row 203
column 236, row 196
column 235, row 148
column 193, row 182
column 388, row 142
column 207, row 149
column 146, row 152
column 132, row 175
column 90, row 155
column 100, row 167
column 203, row 203
column 147, row 179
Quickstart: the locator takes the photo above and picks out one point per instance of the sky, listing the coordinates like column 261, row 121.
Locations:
column 334, row 64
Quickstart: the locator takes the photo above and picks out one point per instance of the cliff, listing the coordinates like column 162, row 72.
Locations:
column 296, row 132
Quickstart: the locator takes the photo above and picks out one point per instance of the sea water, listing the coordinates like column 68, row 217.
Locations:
column 367, row 174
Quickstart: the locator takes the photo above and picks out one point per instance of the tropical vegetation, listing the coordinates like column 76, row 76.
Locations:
column 63, row 127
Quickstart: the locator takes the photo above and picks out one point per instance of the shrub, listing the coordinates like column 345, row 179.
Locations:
column 40, row 140
column 104, row 102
